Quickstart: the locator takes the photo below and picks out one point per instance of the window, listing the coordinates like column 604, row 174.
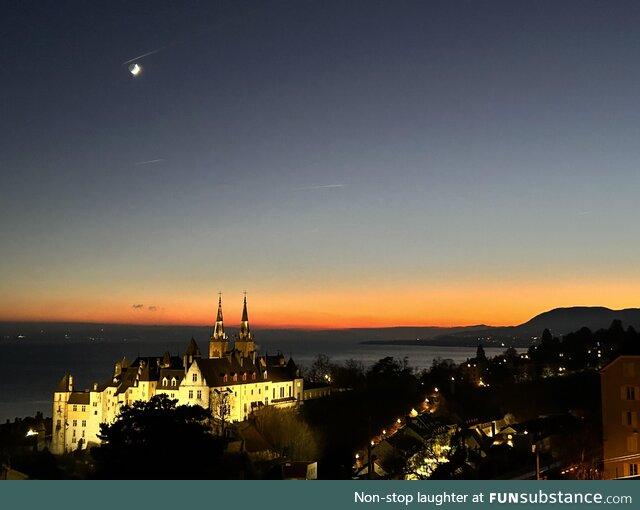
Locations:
column 195, row 378
column 83, row 433
column 281, row 392
column 84, row 409
column 95, row 404
column 165, row 381
column 73, row 440
column 632, row 443
column 95, row 413
column 244, row 376
column 199, row 395
column 253, row 376
column 58, row 424
column 190, row 393
column 235, row 377
column 73, row 433
column 631, row 393
column 274, row 393
column 290, row 390
column 174, row 382
column 266, row 401
column 84, row 423
column 252, row 392
column 225, row 378
column 630, row 418
column 75, row 423
column 633, row 469
column 75, row 408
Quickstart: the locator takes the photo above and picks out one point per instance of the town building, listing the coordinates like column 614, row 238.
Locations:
column 620, row 386
column 232, row 383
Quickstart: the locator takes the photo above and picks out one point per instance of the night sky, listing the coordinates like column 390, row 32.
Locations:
column 347, row 163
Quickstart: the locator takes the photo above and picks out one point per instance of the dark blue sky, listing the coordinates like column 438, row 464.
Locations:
column 321, row 154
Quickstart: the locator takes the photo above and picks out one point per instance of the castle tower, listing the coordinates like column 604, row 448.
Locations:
column 244, row 340
column 60, row 414
column 219, row 341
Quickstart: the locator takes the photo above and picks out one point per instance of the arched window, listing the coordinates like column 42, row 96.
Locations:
column 244, row 376
column 165, row 381
column 225, row 378
column 174, row 382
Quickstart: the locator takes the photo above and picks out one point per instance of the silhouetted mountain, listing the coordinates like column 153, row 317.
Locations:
column 559, row 321
column 564, row 320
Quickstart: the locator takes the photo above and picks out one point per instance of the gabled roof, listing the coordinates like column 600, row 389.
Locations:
column 618, row 358
column 79, row 397
column 214, row 369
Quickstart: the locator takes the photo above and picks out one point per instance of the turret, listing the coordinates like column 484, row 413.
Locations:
column 192, row 352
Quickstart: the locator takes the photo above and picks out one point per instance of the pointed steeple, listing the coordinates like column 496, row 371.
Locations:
column 218, row 329
column 244, row 341
column 245, row 332
column 219, row 341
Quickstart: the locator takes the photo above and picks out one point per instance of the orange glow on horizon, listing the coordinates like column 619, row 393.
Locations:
column 505, row 304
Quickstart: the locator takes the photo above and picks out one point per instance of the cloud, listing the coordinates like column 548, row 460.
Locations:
column 148, row 162
column 322, row 186
column 137, row 307
column 152, row 308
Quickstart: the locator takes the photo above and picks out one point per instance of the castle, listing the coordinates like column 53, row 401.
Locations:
column 230, row 382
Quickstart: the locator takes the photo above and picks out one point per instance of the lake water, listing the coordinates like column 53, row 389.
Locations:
column 30, row 368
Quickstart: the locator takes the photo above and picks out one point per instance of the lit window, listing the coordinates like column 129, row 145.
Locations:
column 174, row 382
column 165, row 381
column 244, row 376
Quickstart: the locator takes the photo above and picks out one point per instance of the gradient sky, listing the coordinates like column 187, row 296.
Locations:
column 348, row 163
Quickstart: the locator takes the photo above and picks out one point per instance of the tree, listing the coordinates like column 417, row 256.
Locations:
column 159, row 440
column 320, row 370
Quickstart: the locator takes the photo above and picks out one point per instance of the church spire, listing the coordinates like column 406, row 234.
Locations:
column 245, row 332
column 244, row 341
column 218, row 342
column 218, row 329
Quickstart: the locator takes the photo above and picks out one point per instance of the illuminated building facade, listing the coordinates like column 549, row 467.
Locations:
column 620, row 386
column 230, row 382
